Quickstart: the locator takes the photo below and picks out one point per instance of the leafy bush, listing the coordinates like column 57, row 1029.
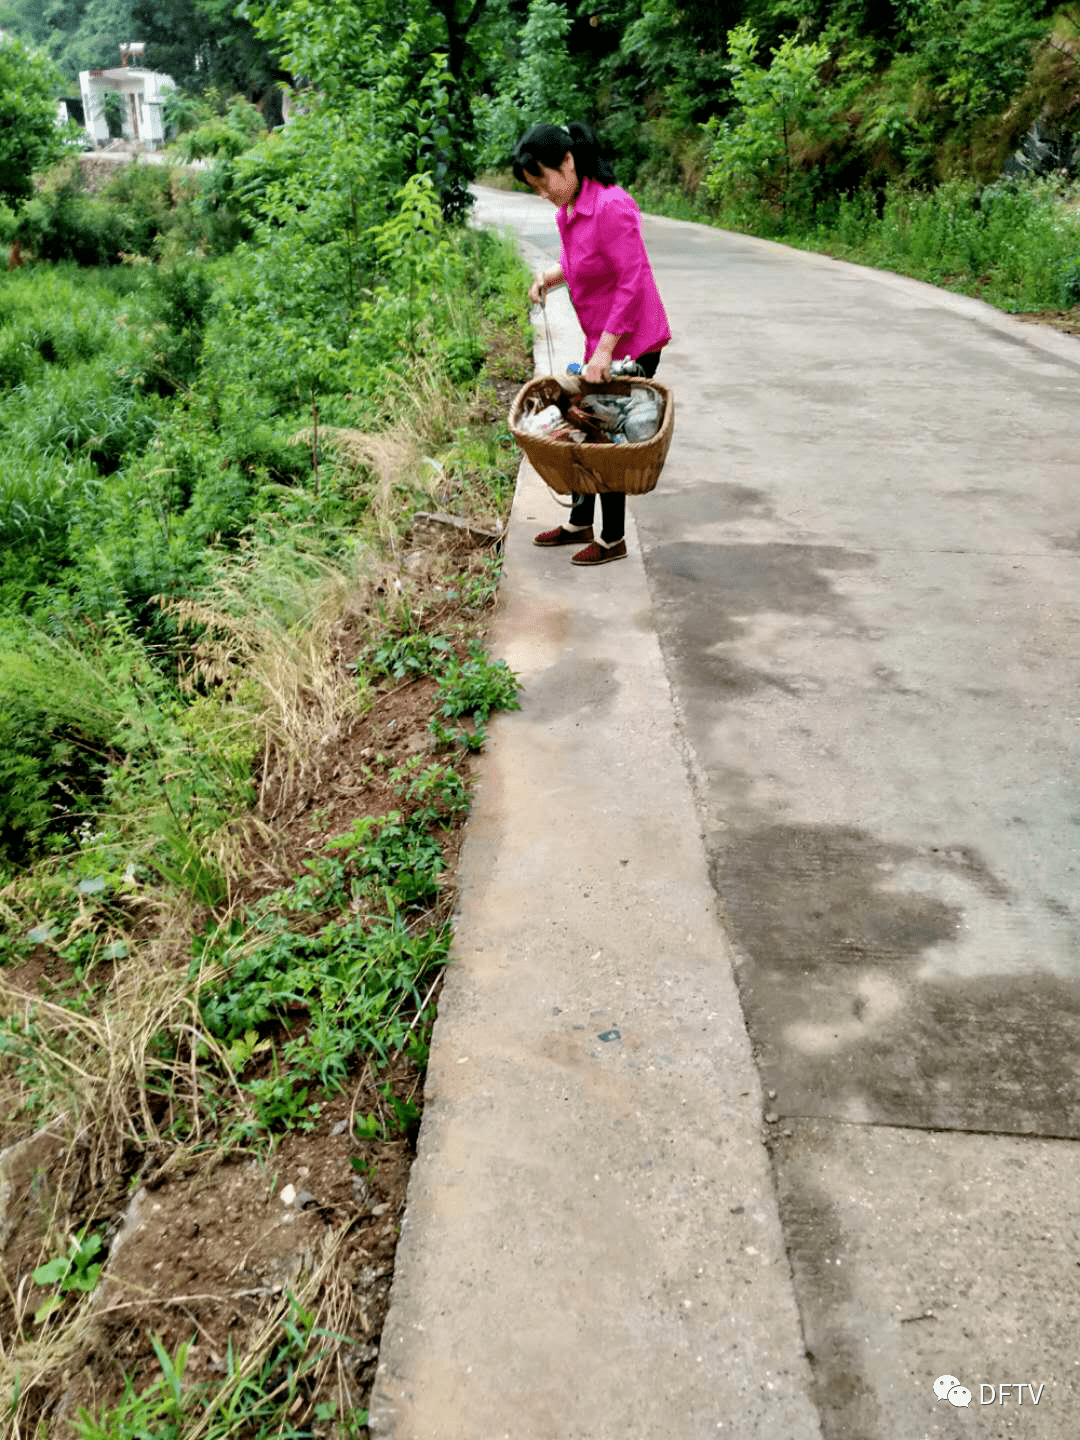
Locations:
column 39, row 499
column 148, row 196
column 1068, row 279
column 30, row 139
column 64, row 224
column 337, row 948
column 225, row 135
column 1014, row 243
column 545, row 81
column 753, row 155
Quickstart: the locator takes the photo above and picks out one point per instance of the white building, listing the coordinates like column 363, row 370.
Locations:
column 143, row 94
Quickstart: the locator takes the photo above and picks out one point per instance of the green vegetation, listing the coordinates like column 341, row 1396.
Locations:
column 223, row 392
column 222, row 396
column 29, row 137
column 936, row 137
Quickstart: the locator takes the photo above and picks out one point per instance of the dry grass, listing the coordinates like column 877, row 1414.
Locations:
column 123, row 1071
column 44, row 1363
column 116, row 1077
column 272, row 633
column 273, row 628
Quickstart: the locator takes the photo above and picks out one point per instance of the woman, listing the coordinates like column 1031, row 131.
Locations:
column 611, row 285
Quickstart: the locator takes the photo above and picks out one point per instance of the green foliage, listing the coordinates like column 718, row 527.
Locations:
column 476, row 687
column 102, row 758
column 158, row 1410
column 208, row 45
column 401, row 1118
column 472, row 688
column 1068, row 281
column 228, row 134
column 543, row 85
column 753, row 156
column 30, row 139
column 338, row 947
column 376, row 66
column 418, row 653
column 1014, row 243
column 63, row 222
column 149, row 420
column 260, row 1401
column 437, row 792
column 113, row 111
column 74, row 1272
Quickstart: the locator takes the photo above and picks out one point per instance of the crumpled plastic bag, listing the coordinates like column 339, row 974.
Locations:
column 628, row 419
column 550, row 423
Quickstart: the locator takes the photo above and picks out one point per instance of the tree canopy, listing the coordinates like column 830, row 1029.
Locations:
column 30, row 138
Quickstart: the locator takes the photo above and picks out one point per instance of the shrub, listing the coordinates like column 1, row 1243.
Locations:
column 146, row 197
column 39, row 498
column 29, row 136
column 63, row 222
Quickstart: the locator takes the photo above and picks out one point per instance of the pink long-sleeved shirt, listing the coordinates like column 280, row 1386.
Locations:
column 608, row 272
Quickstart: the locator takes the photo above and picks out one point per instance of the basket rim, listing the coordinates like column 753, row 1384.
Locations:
column 564, row 447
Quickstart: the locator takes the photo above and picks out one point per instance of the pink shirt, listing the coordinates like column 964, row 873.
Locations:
column 608, row 272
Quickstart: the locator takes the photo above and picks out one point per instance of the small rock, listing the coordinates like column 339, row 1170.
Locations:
column 379, row 1209
column 772, row 1094
column 339, row 1128
column 771, row 1117
column 287, row 1195
column 304, row 1198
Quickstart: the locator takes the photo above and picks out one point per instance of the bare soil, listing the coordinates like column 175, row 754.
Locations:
column 1066, row 320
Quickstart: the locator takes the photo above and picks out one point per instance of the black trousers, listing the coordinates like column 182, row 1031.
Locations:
column 613, row 502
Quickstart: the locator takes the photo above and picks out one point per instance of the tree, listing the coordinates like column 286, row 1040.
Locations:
column 30, row 138
column 753, row 155
column 210, row 44
column 94, row 41
column 543, row 86
column 403, row 49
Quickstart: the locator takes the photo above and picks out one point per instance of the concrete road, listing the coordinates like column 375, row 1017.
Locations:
column 864, row 577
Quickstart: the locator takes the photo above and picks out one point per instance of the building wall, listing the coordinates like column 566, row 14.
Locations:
column 143, row 92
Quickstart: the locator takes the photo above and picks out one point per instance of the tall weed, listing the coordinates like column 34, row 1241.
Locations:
column 1011, row 242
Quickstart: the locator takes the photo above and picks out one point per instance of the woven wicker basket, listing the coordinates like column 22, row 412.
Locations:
column 592, row 469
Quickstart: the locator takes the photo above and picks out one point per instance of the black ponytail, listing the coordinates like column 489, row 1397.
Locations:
column 547, row 145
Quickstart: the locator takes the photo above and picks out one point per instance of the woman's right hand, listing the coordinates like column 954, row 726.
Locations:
column 547, row 280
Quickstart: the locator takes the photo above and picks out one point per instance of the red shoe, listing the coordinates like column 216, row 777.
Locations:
column 597, row 554
column 559, row 536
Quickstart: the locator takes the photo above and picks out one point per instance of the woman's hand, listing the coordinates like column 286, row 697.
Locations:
column 599, row 363
column 548, row 280
column 598, row 367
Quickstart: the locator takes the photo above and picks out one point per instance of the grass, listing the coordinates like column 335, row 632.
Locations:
column 181, row 982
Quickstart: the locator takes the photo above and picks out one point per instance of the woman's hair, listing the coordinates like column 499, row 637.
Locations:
column 547, row 145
